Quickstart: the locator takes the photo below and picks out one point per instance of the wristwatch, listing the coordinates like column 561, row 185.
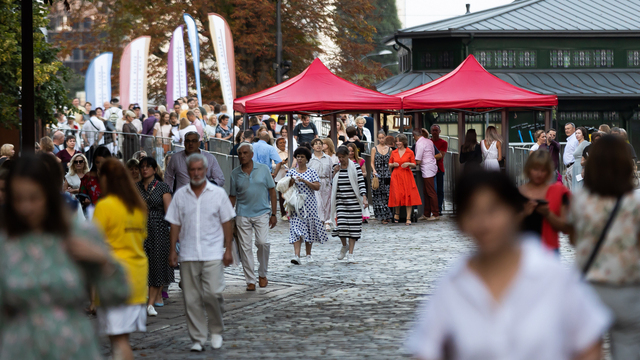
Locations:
column 272, row 214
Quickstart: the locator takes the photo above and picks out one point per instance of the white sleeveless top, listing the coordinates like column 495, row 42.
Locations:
column 490, row 156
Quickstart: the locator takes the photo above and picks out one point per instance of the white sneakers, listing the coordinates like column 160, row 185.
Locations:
column 151, row 311
column 310, row 259
column 351, row 258
column 433, row 218
column 216, row 341
column 296, row 260
column 343, row 252
column 285, row 218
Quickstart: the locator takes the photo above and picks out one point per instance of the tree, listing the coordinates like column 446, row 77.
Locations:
column 308, row 25
column 50, row 95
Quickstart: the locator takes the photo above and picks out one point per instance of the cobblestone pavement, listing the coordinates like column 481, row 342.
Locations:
column 327, row 309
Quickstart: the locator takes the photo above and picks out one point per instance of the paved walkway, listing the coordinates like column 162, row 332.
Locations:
column 325, row 310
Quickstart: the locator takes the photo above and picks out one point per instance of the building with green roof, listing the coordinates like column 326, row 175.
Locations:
column 585, row 52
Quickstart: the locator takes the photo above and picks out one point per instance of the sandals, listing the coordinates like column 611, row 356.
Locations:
column 396, row 219
column 408, row 223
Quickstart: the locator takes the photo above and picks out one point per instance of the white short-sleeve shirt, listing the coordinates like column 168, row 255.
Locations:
column 200, row 220
column 547, row 313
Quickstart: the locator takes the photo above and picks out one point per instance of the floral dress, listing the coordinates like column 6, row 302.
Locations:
column 90, row 185
column 307, row 225
column 380, row 196
column 42, row 294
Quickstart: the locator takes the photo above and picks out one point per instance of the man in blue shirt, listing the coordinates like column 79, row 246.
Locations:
column 263, row 153
column 253, row 192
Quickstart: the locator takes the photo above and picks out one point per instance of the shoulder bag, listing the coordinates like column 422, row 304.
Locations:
column 603, row 235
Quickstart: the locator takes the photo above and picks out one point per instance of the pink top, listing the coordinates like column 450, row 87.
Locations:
column 199, row 128
column 425, row 153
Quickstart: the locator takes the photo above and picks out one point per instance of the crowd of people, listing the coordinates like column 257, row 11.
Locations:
column 103, row 208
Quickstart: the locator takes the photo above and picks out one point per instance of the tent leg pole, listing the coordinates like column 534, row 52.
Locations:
column 547, row 120
column 460, row 130
column 505, row 138
column 290, row 136
column 334, row 130
column 384, row 124
column 245, row 122
column 376, row 125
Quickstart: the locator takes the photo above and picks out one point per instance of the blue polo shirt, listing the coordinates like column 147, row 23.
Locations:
column 252, row 191
column 264, row 153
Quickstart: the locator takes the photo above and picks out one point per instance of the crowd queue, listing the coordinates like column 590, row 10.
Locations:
column 146, row 215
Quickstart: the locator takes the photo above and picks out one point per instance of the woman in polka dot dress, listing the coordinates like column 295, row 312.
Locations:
column 307, row 225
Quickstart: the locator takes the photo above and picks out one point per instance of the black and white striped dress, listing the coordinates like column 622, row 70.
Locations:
column 348, row 209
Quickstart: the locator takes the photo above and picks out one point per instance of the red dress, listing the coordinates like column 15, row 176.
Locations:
column 403, row 190
column 554, row 196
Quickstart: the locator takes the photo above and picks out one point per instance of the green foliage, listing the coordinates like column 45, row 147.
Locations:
column 49, row 73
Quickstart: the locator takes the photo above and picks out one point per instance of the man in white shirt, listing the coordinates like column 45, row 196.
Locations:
column 569, row 149
column 93, row 131
column 200, row 215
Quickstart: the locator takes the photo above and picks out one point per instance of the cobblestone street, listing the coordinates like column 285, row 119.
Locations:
column 325, row 310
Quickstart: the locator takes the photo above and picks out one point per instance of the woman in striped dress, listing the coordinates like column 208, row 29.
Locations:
column 348, row 196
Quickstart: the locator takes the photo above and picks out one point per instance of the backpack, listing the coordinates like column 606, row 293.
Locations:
column 113, row 117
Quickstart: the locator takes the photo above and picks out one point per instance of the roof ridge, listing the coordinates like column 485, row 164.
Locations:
column 516, row 4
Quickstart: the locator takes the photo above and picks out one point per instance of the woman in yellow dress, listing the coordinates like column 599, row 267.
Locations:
column 122, row 216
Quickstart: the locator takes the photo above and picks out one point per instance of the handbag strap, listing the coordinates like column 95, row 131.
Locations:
column 603, row 235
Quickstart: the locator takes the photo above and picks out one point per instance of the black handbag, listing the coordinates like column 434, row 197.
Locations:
column 603, row 235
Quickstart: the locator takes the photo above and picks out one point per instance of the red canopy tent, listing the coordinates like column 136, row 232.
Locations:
column 470, row 87
column 315, row 89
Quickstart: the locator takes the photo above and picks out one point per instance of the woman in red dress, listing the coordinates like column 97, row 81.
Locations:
column 403, row 190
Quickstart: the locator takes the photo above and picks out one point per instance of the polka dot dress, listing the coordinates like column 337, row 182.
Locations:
column 157, row 244
column 311, row 228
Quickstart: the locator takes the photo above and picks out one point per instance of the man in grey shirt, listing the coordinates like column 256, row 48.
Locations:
column 177, row 167
column 569, row 149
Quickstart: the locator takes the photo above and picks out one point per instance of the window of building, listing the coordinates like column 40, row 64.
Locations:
column 77, row 54
column 633, row 58
column 506, row 59
column 427, row 61
column 445, row 59
column 581, row 58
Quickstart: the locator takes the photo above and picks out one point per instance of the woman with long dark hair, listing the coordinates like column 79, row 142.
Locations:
column 380, row 155
column 90, row 191
column 403, row 190
column 157, row 195
column 507, row 287
column 44, row 269
column 470, row 152
column 122, row 216
column 608, row 195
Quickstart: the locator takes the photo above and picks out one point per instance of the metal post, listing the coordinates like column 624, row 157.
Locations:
column 547, row 120
column 376, row 124
column 505, row 138
column 401, row 121
column 417, row 123
column 385, row 126
column 334, row 130
column 290, row 136
column 460, row 130
column 278, row 42
column 28, row 82
column 245, row 122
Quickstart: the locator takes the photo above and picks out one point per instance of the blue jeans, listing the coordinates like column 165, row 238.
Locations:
column 439, row 183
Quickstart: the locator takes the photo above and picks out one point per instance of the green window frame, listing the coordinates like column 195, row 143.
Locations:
column 576, row 59
column 633, row 58
column 507, row 59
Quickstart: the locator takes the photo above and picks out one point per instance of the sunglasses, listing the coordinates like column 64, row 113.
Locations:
column 79, row 162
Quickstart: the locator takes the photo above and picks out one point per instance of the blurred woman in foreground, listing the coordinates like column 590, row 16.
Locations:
column 548, row 199
column 509, row 299
column 44, row 269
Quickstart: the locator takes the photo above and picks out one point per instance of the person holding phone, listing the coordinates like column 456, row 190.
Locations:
column 548, row 200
